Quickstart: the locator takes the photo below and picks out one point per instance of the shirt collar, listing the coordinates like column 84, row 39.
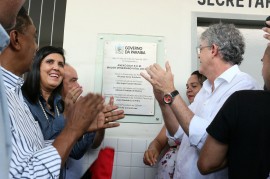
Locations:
column 4, row 38
column 11, row 80
column 229, row 74
column 226, row 76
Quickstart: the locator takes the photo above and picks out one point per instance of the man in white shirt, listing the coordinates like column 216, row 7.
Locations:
column 230, row 141
column 8, row 13
column 220, row 52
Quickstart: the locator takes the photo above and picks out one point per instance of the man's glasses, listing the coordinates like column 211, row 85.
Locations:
column 199, row 49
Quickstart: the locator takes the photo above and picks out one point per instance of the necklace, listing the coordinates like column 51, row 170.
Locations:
column 44, row 112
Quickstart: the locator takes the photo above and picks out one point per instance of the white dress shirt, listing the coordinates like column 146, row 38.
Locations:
column 205, row 107
column 30, row 158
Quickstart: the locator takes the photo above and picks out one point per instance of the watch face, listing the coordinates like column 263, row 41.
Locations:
column 167, row 98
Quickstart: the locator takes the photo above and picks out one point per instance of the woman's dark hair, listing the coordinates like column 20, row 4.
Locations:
column 200, row 76
column 31, row 87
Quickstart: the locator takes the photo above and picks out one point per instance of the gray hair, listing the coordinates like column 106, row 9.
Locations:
column 229, row 40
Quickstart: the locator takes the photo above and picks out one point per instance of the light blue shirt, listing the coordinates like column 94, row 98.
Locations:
column 5, row 136
column 31, row 156
column 4, row 38
column 51, row 126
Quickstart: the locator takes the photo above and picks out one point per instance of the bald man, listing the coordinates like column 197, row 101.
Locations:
column 71, row 86
column 71, row 91
column 71, row 82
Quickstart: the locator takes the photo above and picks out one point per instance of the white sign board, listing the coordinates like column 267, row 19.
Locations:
column 122, row 64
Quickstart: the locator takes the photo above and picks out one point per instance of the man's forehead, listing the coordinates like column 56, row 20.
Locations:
column 69, row 69
column 70, row 73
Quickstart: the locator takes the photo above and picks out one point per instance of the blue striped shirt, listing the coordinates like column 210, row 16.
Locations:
column 5, row 135
column 30, row 157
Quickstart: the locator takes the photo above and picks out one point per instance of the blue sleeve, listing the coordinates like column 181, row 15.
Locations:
column 53, row 129
column 82, row 145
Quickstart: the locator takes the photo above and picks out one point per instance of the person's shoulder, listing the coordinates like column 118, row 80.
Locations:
column 251, row 93
column 246, row 76
column 30, row 104
column 245, row 79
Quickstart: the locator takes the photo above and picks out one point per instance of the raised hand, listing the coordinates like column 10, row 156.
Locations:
column 160, row 79
column 79, row 116
column 84, row 112
column 107, row 118
column 73, row 95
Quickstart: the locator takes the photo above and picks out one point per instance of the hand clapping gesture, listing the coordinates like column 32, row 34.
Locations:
column 160, row 79
column 107, row 118
column 84, row 112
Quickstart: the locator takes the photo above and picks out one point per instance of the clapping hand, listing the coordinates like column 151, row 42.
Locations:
column 160, row 79
column 73, row 95
column 84, row 112
column 107, row 118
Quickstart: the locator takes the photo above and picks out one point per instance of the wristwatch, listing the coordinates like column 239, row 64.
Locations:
column 168, row 98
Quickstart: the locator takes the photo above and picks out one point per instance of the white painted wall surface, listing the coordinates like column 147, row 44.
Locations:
column 171, row 19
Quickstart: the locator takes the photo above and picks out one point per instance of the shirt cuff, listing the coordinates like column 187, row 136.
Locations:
column 177, row 138
column 197, row 131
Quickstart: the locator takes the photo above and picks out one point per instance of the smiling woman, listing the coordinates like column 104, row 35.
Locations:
column 44, row 81
column 51, row 73
column 42, row 92
column 42, row 89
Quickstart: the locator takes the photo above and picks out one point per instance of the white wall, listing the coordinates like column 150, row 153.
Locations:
column 171, row 19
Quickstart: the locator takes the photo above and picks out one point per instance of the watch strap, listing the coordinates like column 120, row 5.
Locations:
column 174, row 93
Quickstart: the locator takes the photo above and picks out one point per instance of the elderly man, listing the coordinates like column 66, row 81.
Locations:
column 32, row 156
column 72, row 89
column 239, row 134
column 8, row 12
column 220, row 52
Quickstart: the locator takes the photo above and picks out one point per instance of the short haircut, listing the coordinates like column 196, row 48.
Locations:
column 229, row 40
column 22, row 21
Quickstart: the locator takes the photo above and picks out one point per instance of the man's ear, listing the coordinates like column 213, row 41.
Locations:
column 15, row 39
column 214, row 49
